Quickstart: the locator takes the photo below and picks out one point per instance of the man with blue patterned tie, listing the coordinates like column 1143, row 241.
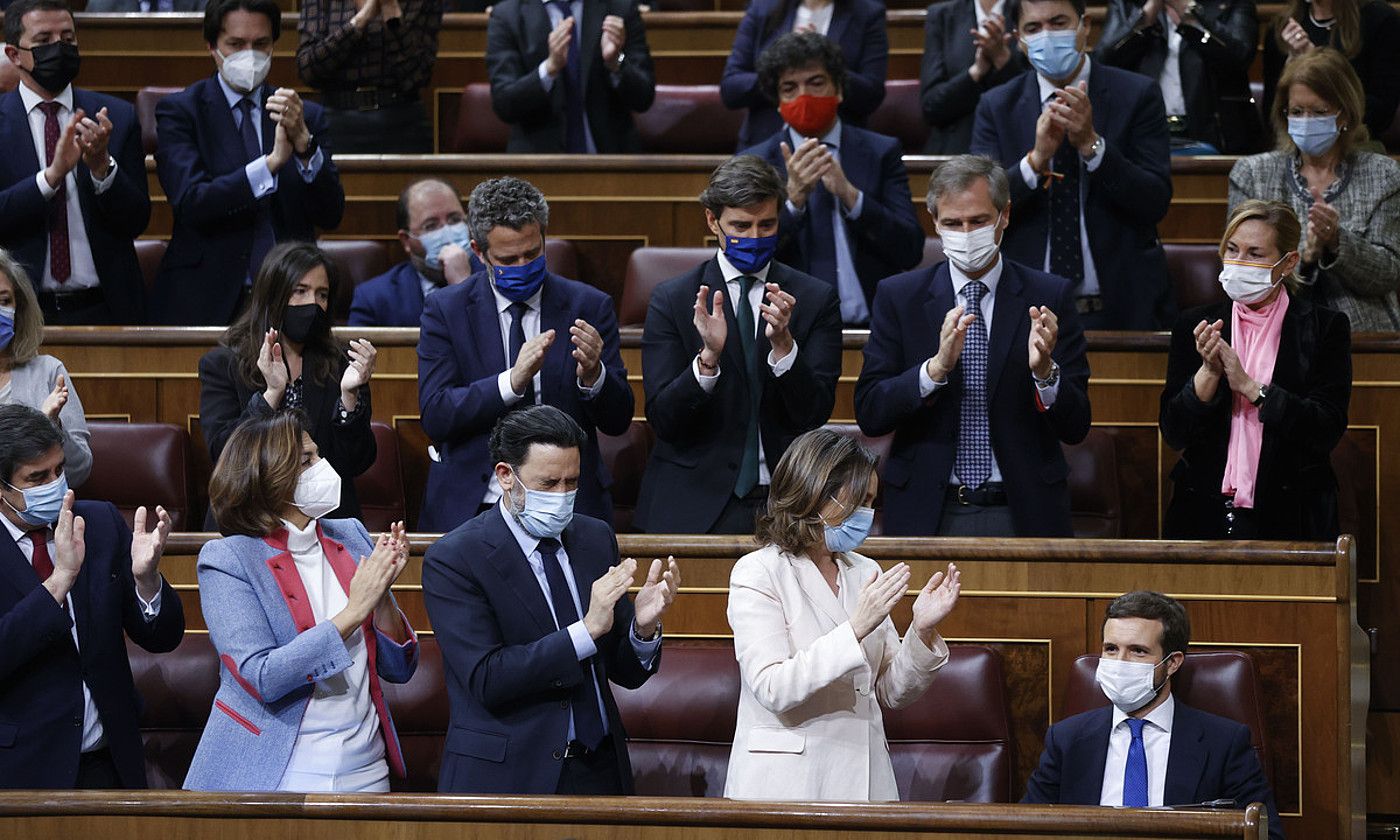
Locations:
column 979, row 405
column 1148, row 749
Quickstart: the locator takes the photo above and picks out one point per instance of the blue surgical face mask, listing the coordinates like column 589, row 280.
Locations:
column 435, row 240
column 750, row 254
column 1313, row 135
column 543, row 515
column 1054, row 53
column 42, row 504
column 851, row 532
column 519, row 282
column 7, row 326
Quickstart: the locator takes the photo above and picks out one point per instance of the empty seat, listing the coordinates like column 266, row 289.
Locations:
column 421, row 711
column 1195, row 274
column 149, row 253
column 933, row 252
column 478, row 129
column 626, row 459
column 177, row 691
column 901, row 116
column 647, row 268
column 1095, row 505
column 9, row 74
column 561, row 257
column 136, row 464
column 356, row 260
column 688, row 119
column 146, row 100
column 380, row 488
column 1221, row 682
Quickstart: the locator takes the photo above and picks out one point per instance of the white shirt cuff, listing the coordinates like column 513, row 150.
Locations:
column 311, row 168
column 1027, row 174
column 591, row 391
column 105, row 184
column 646, row 649
column 1093, row 163
column 508, row 395
column 260, row 178
column 584, row 646
column 150, row 609
column 854, row 212
column 783, row 365
column 794, row 209
column 1047, row 393
column 45, row 190
column 546, row 80
column 926, row 384
column 707, row 383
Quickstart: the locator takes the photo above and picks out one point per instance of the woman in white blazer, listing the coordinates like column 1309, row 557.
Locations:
column 818, row 653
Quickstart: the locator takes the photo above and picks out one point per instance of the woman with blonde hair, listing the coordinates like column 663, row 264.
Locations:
column 818, row 654
column 1256, row 395
column 28, row 377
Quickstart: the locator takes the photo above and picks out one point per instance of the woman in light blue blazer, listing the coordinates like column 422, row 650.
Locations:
column 304, row 632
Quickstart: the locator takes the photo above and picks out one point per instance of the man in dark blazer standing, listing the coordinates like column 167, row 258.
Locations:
column 979, row 405
column 967, row 52
column 1086, row 152
column 72, row 578
column 848, row 218
column 567, row 75
column 529, row 603
column 514, row 335
column 1148, row 749
column 73, row 178
column 739, row 356
column 244, row 166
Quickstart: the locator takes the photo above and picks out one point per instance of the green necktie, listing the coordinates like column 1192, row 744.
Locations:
column 748, row 339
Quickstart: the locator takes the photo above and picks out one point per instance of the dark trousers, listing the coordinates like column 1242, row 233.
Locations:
column 395, row 130
column 88, row 316
column 738, row 514
column 975, row 521
column 97, row 771
column 597, row 774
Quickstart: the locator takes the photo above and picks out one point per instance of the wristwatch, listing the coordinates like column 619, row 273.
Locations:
column 1095, row 149
column 1263, row 394
column 1050, row 380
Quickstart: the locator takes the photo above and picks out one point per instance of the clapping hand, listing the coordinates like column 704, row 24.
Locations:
column 879, row 596
column 1296, row 38
column 146, row 550
column 951, row 337
column 57, row 399
column 806, row 166
column 588, row 351
column 357, row 372
column 1040, row 344
column 656, row 595
column 66, row 152
column 273, row 369
column 373, row 577
column 559, row 39
column 936, row 600
column 69, row 550
column 603, row 597
column 777, row 311
column 93, row 136
column 710, row 323
column 614, row 37
column 993, row 48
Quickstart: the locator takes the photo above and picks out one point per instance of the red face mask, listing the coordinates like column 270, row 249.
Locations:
column 810, row 115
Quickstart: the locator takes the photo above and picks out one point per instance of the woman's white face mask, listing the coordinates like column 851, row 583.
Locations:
column 1249, row 282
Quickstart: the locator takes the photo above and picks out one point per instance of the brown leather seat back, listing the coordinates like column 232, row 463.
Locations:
column 933, row 252
column 9, row 73
column 680, row 724
column 1096, row 507
column 1195, row 273
column 954, row 742
column 648, row 268
column 356, row 260
column 380, row 488
column 421, row 712
column 135, row 464
column 561, row 257
column 177, row 690
column 1221, row 682
column 901, row 116
column 688, row 120
column 626, row 459
column 146, row 100
column 478, row 128
column 149, row 253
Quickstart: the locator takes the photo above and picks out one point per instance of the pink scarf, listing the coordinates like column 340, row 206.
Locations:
column 1256, row 335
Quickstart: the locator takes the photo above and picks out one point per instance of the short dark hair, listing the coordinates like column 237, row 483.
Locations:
column 1154, row 606
column 542, row 424
column 401, row 211
column 743, row 181
column 505, row 202
column 14, row 15
column 797, row 50
column 217, row 10
column 25, row 435
column 1013, row 10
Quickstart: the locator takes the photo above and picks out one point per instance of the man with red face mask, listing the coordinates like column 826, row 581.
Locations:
column 848, row 218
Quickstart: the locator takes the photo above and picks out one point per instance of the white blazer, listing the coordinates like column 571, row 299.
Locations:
column 810, row 725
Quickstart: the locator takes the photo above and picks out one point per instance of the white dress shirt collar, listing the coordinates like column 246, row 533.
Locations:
column 232, row 96
column 831, row 139
column 528, row 544
column 301, row 540
column 732, row 274
column 1160, row 717
column 31, row 99
column 20, row 533
column 503, row 303
column 990, row 279
column 1048, row 87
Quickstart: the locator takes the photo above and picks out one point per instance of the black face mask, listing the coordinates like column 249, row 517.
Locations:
column 55, row 65
column 304, row 320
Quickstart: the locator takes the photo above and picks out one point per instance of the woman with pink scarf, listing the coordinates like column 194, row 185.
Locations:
column 1256, row 394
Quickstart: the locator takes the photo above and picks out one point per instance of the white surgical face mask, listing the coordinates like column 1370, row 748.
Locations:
column 245, row 70
column 1248, row 282
column 318, row 490
column 1128, row 685
column 973, row 250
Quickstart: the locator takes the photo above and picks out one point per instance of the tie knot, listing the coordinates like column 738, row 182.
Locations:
column 38, row 535
column 974, row 291
column 518, row 309
column 245, row 105
column 50, row 108
column 747, row 281
column 1135, row 727
column 548, row 547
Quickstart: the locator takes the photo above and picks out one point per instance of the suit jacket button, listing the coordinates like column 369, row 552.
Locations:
column 558, row 755
column 563, row 704
column 558, row 683
column 77, row 720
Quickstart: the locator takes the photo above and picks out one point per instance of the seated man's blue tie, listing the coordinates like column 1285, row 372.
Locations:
column 1135, row 772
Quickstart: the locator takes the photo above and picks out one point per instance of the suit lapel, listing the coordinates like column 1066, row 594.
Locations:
column 20, row 140
column 555, row 315
column 14, row 567
column 1185, row 758
column 1102, row 99
column 733, row 355
column 840, row 16
column 216, row 113
column 815, row 587
column 1087, row 755
column 1010, row 309
column 536, row 28
column 1028, row 109
column 488, row 351
column 284, row 571
column 514, row 569
column 940, row 300
column 269, row 128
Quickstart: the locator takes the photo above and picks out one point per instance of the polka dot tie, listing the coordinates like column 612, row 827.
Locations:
column 1066, row 247
column 60, row 259
column 1135, row 771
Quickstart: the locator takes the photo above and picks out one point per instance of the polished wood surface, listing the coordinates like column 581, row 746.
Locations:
column 143, row 814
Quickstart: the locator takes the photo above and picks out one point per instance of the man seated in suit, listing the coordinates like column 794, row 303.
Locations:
column 73, row 177
column 529, row 603
column 514, row 335
column 244, row 165
column 76, row 578
column 567, row 75
column 1148, row 749
column 978, row 367
column 433, row 233
column 740, row 355
column 1085, row 149
column 848, row 218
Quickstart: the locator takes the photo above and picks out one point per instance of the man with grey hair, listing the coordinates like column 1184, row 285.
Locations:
column 511, row 336
column 978, row 367
column 729, row 387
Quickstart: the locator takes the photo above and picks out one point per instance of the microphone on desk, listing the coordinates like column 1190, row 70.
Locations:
column 1208, row 804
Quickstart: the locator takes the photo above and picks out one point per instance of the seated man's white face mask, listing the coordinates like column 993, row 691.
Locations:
column 1128, row 685
column 245, row 70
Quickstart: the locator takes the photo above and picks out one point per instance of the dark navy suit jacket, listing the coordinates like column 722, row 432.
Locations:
column 200, row 162
column 394, row 298
column 509, row 671
column 909, row 310
column 41, row 672
column 1125, row 197
column 887, row 238
column 460, row 355
column 1210, row 758
column 857, row 26
column 112, row 220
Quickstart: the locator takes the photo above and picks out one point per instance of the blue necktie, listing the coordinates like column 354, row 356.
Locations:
column 263, row 236
column 574, row 141
column 1135, row 772
column 821, row 261
column 973, row 463
column 588, row 723
column 748, row 339
column 517, row 340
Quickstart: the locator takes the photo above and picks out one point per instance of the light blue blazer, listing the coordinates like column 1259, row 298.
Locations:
column 272, row 651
